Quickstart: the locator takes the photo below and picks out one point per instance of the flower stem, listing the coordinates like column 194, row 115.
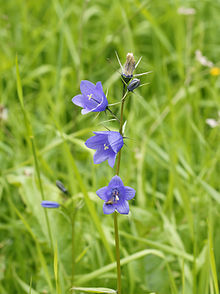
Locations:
column 115, row 213
column 120, row 129
column 117, row 253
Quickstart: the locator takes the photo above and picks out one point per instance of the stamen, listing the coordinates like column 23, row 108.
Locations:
column 90, row 96
column 105, row 147
column 115, row 197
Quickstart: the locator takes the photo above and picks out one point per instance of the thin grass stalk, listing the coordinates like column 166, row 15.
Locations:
column 41, row 188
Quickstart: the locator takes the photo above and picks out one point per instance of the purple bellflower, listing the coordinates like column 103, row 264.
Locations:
column 49, row 204
column 115, row 196
column 107, row 145
column 92, row 98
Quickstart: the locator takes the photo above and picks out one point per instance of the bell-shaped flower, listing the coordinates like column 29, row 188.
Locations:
column 92, row 98
column 116, row 196
column 107, row 145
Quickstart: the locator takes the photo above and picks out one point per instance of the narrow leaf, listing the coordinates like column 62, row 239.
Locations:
column 94, row 290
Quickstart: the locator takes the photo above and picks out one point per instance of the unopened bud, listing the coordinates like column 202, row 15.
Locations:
column 60, row 185
column 133, row 84
column 49, row 204
column 129, row 67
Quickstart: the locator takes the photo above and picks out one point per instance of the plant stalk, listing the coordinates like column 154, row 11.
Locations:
column 115, row 213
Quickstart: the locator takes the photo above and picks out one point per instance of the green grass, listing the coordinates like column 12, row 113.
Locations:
column 170, row 240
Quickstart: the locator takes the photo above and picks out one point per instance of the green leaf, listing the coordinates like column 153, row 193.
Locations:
column 111, row 266
column 94, row 290
column 27, row 288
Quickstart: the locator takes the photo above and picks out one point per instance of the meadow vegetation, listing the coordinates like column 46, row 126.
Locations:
column 170, row 241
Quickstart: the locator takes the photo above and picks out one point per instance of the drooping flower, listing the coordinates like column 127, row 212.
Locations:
column 116, row 196
column 107, row 145
column 49, row 204
column 92, row 98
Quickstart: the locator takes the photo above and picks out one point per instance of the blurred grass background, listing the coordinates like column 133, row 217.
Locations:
column 170, row 242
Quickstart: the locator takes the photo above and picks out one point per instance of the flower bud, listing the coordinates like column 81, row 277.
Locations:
column 49, row 204
column 129, row 67
column 133, row 84
column 60, row 185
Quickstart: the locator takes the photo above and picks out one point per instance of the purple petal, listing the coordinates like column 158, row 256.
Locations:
column 87, row 88
column 122, row 207
column 95, row 141
column 90, row 103
column 94, row 94
column 102, row 133
column 111, row 160
column 100, row 156
column 108, row 208
column 85, row 102
column 78, row 100
column 85, row 111
column 129, row 193
column 102, row 106
column 116, row 141
column 103, row 193
column 99, row 88
column 115, row 182
column 100, row 93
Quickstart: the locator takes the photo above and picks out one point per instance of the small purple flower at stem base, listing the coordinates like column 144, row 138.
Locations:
column 49, row 204
column 107, row 145
column 92, row 98
column 116, row 196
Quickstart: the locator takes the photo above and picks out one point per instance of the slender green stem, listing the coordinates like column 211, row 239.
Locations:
column 73, row 248
column 117, row 253
column 41, row 188
column 115, row 213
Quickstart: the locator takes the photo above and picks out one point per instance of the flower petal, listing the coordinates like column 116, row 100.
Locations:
column 89, row 90
column 103, row 193
column 95, row 141
column 100, row 156
column 108, row 208
column 115, row 182
column 102, row 106
column 129, row 193
column 87, row 87
column 98, row 87
column 85, row 111
column 102, row 133
column 111, row 160
column 115, row 141
column 79, row 100
column 122, row 207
